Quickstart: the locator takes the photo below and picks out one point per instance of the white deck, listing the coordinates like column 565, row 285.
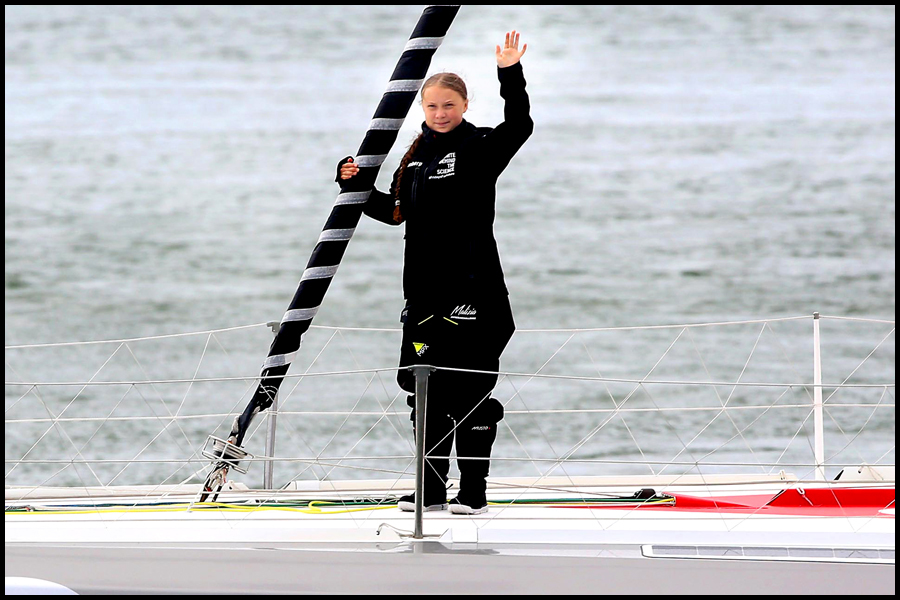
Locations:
column 136, row 522
column 510, row 549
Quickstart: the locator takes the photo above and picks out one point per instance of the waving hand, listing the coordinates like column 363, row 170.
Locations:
column 510, row 53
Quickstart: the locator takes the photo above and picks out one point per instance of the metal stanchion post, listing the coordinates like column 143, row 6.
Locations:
column 421, row 372
column 818, row 416
column 269, row 469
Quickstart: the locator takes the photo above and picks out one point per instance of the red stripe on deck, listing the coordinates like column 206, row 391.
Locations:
column 821, row 502
column 845, row 497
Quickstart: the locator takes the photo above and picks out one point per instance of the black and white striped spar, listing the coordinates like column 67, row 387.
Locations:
column 405, row 82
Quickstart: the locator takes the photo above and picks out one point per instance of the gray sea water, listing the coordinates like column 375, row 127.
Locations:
column 169, row 169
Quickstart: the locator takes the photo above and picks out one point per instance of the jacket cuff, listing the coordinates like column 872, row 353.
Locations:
column 513, row 70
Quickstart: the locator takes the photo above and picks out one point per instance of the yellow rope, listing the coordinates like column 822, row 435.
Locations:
column 311, row 509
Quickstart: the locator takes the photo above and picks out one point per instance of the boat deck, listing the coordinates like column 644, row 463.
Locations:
column 567, row 536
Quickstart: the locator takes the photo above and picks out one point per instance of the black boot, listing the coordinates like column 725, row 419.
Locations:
column 473, row 442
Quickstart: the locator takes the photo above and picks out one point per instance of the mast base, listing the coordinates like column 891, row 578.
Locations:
column 222, row 452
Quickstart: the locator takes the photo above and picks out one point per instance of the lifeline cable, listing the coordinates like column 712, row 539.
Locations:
column 407, row 78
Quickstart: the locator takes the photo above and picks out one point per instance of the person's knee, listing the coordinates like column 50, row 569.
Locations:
column 487, row 412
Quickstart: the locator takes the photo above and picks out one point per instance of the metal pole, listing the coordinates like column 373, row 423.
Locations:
column 269, row 470
column 818, row 416
column 421, row 373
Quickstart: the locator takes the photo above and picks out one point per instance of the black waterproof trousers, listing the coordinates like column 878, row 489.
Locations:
column 462, row 333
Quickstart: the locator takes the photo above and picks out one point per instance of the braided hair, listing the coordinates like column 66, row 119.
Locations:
column 450, row 81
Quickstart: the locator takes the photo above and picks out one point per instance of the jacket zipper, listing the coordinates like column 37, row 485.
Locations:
column 412, row 195
column 415, row 186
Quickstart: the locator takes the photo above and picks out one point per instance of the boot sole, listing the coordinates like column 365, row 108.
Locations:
column 411, row 507
column 462, row 509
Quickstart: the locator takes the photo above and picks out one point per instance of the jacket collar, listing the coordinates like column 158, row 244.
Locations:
column 460, row 132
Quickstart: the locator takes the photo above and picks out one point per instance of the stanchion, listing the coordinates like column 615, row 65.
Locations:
column 421, row 372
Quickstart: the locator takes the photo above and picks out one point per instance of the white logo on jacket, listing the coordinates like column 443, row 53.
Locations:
column 446, row 167
column 466, row 311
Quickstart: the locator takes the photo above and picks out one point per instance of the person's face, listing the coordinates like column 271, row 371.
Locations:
column 443, row 108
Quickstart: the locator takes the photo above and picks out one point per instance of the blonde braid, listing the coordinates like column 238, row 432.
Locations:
column 398, row 218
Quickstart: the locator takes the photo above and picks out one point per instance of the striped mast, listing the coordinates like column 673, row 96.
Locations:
column 404, row 84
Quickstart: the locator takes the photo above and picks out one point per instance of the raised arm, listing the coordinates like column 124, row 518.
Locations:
column 501, row 144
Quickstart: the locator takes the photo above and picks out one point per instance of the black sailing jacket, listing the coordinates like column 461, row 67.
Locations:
column 447, row 200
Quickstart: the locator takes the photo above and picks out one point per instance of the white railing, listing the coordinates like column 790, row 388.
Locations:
column 58, row 427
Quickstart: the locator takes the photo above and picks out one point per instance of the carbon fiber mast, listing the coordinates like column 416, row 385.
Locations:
column 404, row 84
